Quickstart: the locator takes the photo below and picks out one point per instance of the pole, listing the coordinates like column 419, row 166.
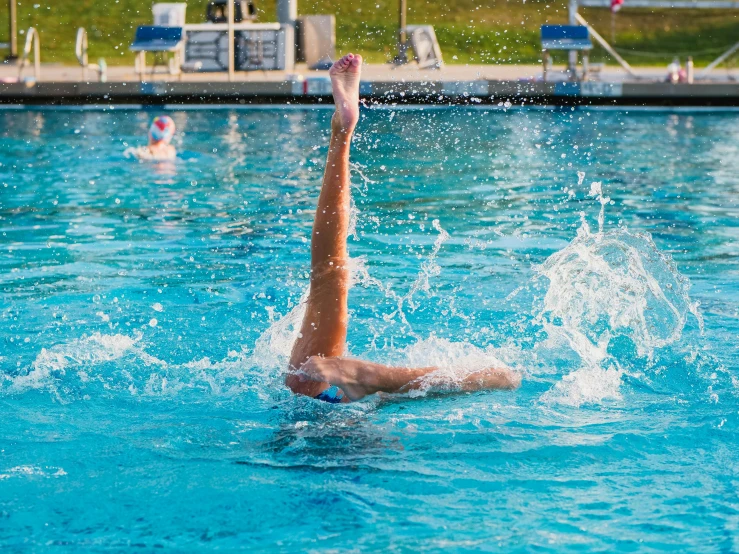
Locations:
column 402, row 57
column 287, row 13
column 230, row 40
column 572, row 58
column 13, row 28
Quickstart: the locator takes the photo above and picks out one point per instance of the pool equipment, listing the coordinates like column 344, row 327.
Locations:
column 81, row 52
column 257, row 46
column 426, row 49
column 169, row 14
column 244, row 10
column 32, row 45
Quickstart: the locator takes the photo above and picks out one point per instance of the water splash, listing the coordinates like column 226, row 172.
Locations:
column 607, row 285
column 273, row 347
column 429, row 269
column 455, row 360
column 26, row 471
column 103, row 365
column 53, row 363
column 359, row 170
column 604, row 286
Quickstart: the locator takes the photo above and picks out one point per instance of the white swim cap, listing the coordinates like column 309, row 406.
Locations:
column 162, row 128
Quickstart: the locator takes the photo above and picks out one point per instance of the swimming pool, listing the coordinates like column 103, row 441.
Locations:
column 147, row 310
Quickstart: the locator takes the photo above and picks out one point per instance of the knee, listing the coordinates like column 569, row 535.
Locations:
column 292, row 382
column 302, row 381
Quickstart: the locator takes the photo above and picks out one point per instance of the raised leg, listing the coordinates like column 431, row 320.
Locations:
column 360, row 378
column 316, row 362
column 323, row 332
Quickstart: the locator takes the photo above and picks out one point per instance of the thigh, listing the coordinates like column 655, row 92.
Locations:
column 323, row 332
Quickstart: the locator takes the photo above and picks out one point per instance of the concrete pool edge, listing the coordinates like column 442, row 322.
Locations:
column 317, row 91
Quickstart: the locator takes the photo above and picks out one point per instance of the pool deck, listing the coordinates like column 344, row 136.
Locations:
column 385, row 84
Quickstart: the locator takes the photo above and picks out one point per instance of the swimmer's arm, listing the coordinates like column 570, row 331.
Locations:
column 360, row 378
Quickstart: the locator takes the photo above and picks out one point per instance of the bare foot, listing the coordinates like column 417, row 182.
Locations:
column 345, row 84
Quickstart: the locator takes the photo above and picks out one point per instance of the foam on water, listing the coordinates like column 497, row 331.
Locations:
column 52, row 363
column 604, row 285
column 27, row 471
column 102, row 364
column 455, row 361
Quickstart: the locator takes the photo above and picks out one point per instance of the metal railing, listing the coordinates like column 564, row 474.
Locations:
column 653, row 4
column 722, row 58
column 607, row 47
column 32, row 43
column 81, row 51
column 664, row 4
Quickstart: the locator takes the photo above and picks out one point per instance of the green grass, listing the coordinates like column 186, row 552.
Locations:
column 469, row 31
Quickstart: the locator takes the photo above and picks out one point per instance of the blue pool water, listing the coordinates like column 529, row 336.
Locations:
column 147, row 313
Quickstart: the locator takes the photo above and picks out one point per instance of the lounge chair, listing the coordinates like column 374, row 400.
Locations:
column 159, row 40
column 425, row 46
column 565, row 37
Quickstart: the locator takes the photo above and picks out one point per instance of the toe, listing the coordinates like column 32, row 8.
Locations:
column 345, row 62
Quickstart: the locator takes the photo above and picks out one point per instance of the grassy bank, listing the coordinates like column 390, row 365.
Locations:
column 495, row 31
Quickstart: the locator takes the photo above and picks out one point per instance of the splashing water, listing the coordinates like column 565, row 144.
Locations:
column 53, row 363
column 603, row 285
column 606, row 285
column 429, row 269
column 72, row 368
column 455, row 360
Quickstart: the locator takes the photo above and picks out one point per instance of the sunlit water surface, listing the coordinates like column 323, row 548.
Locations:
column 148, row 309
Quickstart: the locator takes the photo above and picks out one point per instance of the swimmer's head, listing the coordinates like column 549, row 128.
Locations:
column 162, row 129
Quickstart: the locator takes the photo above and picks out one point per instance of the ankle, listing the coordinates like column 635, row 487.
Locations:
column 343, row 128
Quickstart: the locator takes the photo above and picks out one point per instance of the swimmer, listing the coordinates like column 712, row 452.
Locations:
column 159, row 148
column 318, row 367
column 161, row 134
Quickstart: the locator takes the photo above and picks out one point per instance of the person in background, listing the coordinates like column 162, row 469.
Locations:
column 161, row 134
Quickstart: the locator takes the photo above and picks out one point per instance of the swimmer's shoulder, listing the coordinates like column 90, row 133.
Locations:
column 146, row 153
